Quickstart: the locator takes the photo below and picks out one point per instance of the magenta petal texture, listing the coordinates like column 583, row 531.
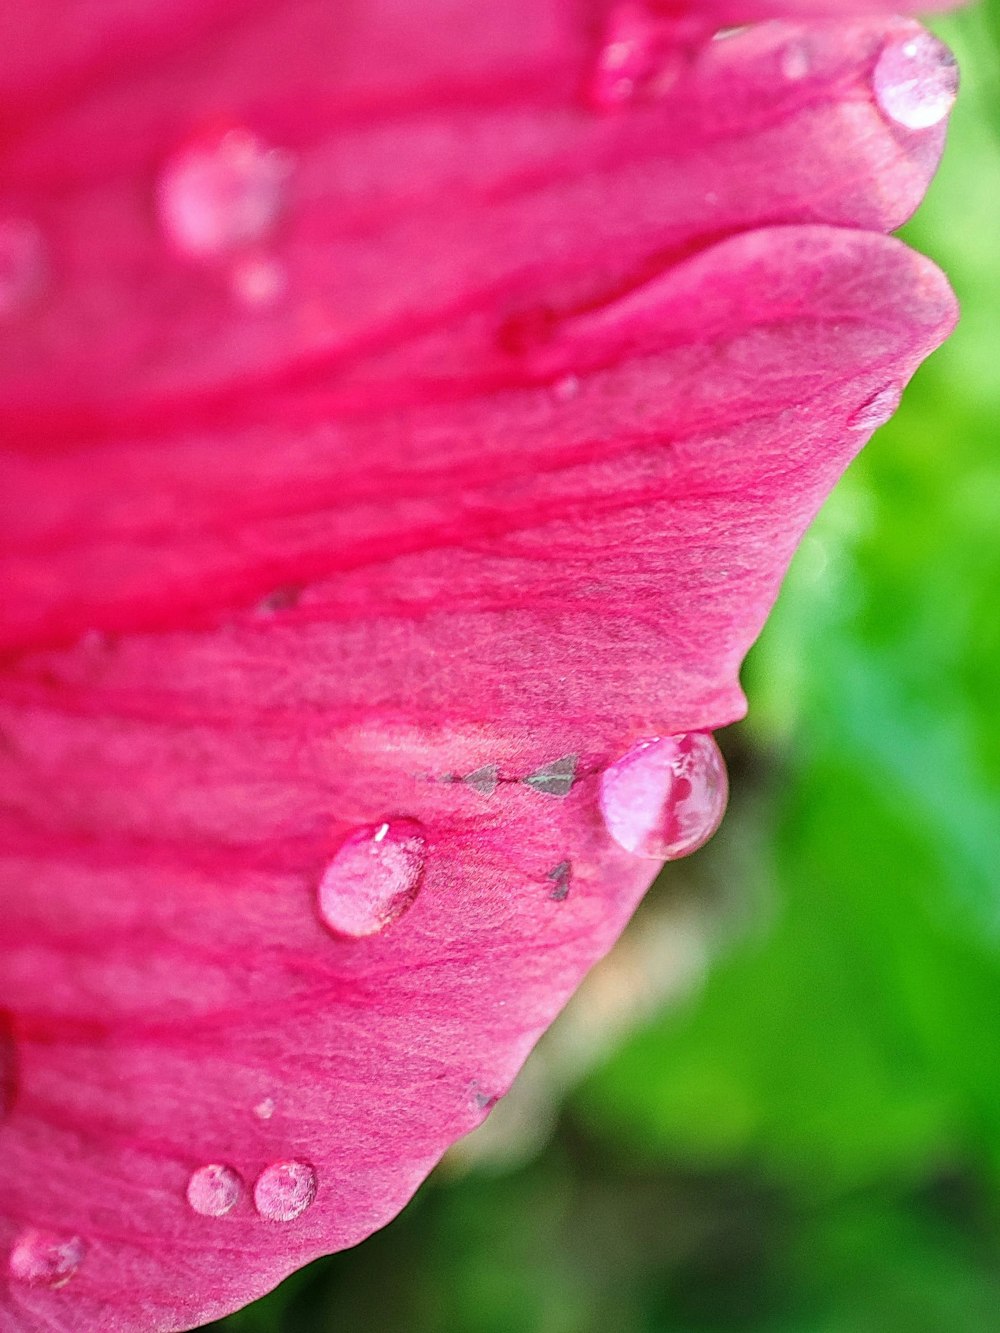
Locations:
column 409, row 409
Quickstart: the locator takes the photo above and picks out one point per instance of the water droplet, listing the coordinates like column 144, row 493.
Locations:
column 214, row 1190
column 555, row 779
column 284, row 1190
column 45, row 1258
column 795, row 61
column 566, row 389
column 560, row 876
column 876, row 410
column 264, row 1109
column 484, row 780
column 373, row 878
column 915, row 80
column 639, row 57
column 22, row 265
column 258, row 281
column 222, row 194
column 666, row 796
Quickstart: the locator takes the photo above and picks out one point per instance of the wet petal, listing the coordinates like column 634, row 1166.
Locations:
column 349, row 548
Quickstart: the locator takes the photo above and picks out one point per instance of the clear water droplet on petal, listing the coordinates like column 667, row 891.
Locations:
column 915, row 80
column 373, row 878
column 22, row 265
column 666, row 796
column 45, row 1258
column 284, row 1190
column 639, row 57
column 566, row 389
column 214, row 1190
column 264, row 1109
column 222, row 194
column 876, row 410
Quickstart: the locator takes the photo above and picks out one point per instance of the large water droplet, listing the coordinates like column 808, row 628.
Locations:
column 264, row 1109
column 223, row 194
column 45, row 1258
column 373, row 878
column 876, row 410
column 214, row 1190
column 555, row 779
column 22, row 265
column 639, row 57
column 284, row 1190
column 915, row 80
column 666, row 796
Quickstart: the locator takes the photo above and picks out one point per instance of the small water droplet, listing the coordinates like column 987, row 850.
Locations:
column 639, row 57
column 257, row 281
column 22, row 265
column 45, row 1258
column 222, row 194
column 555, row 779
column 373, row 878
column 484, row 780
column 876, row 410
column 264, row 1109
column 214, row 1190
column 666, row 796
column 284, row 1190
column 560, row 876
column 566, row 389
column 915, row 80
column 795, row 61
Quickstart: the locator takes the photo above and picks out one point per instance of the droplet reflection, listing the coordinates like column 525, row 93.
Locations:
column 666, row 796
column 214, row 1190
column 284, row 1190
column 915, row 80
column 639, row 57
column 373, row 878
column 45, row 1258
column 222, row 194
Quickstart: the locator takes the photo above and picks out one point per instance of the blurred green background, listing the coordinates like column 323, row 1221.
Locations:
column 776, row 1107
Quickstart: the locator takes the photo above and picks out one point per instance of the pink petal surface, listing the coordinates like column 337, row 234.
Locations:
column 481, row 445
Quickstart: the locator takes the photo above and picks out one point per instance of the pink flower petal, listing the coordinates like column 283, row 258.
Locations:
column 350, row 543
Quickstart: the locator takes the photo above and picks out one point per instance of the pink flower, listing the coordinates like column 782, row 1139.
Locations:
column 410, row 408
